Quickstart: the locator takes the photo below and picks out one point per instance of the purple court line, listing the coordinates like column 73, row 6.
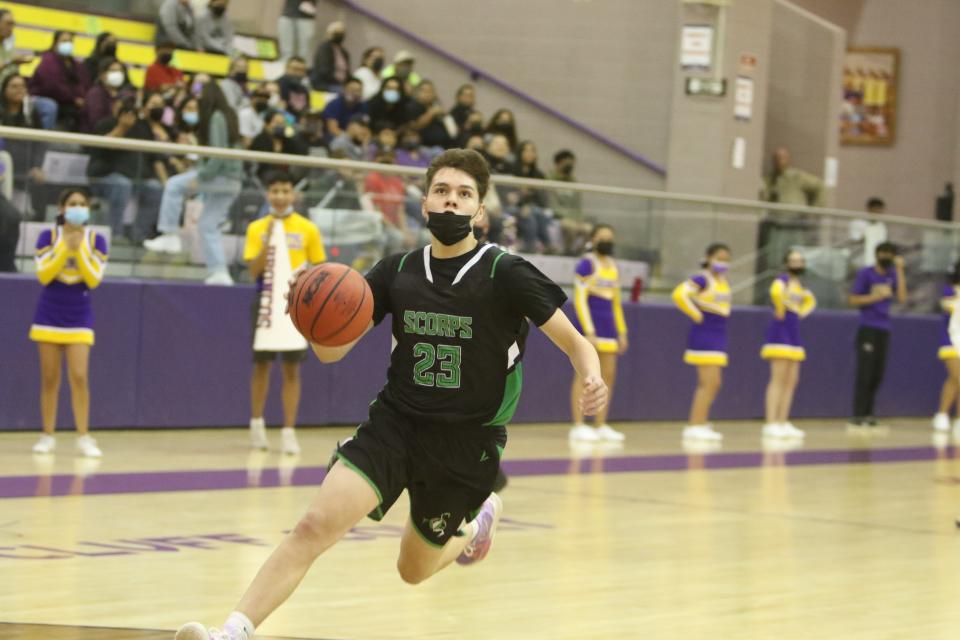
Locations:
column 220, row 480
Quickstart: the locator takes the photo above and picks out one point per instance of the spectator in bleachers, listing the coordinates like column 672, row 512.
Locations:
column 353, row 142
column 533, row 223
column 341, row 109
column 293, row 86
column 217, row 181
column 105, row 48
column 62, row 78
column 871, row 232
column 234, row 86
column 177, row 24
column 214, row 30
column 390, row 107
column 473, row 126
column 311, row 130
column 386, row 193
column 252, row 116
column 279, row 137
column 369, row 71
column 788, row 185
column 427, row 116
column 16, row 110
column 154, row 169
column 112, row 171
column 188, row 119
column 296, row 27
column 411, row 153
column 566, row 204
column 385, row 139
column 476, row 142
column 161, row 75
column 498, row 155
column 45, row 109
column 402, row 68
column 10, row 60
column 186, row 126
column 331, row 62
column 466, row 101
column 101, row 97
column 504, row 123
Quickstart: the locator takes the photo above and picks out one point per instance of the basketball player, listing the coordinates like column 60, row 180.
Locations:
column 71, row 259
column 783, row 348
column 705, row 298
column 600, row 320
column 302, row 243
column 459, row 318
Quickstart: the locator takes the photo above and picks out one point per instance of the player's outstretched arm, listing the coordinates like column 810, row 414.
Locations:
column 328, row 355
column 582, row 356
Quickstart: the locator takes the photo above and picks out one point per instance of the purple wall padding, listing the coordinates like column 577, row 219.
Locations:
column 178, row 355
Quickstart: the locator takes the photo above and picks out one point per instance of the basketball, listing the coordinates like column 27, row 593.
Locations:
column 331, row 304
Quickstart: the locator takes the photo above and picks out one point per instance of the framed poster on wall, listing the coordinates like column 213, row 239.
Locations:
column 869, row 111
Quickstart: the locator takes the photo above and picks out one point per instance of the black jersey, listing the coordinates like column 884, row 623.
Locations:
column 459, row 326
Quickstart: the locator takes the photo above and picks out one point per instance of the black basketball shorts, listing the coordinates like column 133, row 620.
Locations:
column 447, row 470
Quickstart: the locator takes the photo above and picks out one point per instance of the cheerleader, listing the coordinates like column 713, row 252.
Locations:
column 705, row 298
column 600, row 320
column 948, row 353
column 70, row 262
column 782, row 347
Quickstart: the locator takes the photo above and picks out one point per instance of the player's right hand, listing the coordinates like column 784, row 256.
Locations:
column 594, row 395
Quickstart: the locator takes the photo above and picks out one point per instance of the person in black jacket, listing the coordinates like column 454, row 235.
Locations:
column 331, row 62
column 389, row 108
column 278, row 136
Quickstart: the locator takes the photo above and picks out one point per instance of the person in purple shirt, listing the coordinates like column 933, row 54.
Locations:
column 62, row 78
column 873, row 292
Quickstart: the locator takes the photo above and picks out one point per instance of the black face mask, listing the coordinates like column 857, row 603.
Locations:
column 377, row 65
column 280, row 131
column 240, row 77
column 156, row 114
column 605, row 248
column 885, row 263
column 410, row 145
column 165, row 58
column 110, row 51
column 448, row 227
column 566, row 169
column 260, row 105
column 218, row 10
column 797, row 271
column 337, row 38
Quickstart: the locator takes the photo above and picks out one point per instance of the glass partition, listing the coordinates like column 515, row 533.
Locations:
column 367, row 211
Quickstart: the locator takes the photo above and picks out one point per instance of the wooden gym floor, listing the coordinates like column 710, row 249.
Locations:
column 849, row 536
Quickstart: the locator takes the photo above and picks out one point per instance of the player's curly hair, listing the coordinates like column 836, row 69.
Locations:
column 466, row 160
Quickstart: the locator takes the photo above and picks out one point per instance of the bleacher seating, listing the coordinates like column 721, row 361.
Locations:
column 35, row 27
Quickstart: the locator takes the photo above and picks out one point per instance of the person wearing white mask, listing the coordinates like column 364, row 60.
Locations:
column 112, row 85
column 62, row 78
column 705, row 298
column 71, row 259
